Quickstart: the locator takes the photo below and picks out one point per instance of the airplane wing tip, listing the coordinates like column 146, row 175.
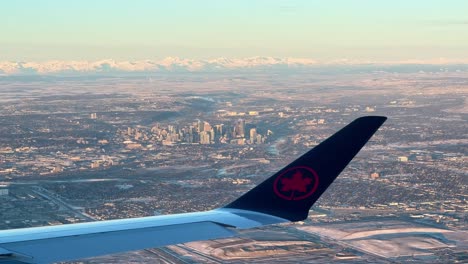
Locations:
column 292, row 191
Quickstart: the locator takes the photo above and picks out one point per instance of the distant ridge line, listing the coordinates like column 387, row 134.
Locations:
column 176, row 64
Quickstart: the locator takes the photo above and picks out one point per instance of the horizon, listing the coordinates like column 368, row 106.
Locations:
column 221, row 64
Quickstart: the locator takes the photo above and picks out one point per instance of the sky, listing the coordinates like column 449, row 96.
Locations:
column 329, row 30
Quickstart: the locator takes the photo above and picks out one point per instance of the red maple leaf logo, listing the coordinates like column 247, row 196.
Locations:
column 296, row 183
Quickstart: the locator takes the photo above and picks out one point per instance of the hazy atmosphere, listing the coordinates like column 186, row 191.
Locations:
column 112, row 110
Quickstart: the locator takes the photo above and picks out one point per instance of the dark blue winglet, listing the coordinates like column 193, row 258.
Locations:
column 291, row 192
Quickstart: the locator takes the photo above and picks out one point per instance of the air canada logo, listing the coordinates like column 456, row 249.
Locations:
column 296, row 183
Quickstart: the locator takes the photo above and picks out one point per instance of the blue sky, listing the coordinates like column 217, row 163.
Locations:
column 150, row 29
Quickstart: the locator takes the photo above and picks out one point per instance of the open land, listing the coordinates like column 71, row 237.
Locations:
column 75, row 149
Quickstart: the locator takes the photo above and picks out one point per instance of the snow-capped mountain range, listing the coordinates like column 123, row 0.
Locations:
column 167, row 64
column 176, row 64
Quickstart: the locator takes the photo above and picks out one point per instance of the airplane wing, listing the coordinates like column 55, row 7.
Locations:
column 287, row 196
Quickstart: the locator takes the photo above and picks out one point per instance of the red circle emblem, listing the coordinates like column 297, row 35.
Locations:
column 296, row 183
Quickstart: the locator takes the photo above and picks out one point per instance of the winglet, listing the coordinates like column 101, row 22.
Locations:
column 291, row 192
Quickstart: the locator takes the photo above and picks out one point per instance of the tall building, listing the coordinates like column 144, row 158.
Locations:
column 171, row 128
column 199, row 126
column 212, row 135
column 206, row 126
column 204, row 137
column 219, row 131
column 253, row 135
column 138, row 134
column 188, row 137
column 239, row 129
column 260, row 139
